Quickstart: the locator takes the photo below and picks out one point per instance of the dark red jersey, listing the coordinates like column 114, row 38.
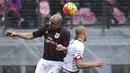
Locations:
column 52, row 37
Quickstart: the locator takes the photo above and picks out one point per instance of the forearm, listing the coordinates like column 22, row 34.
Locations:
column 65, row 50
column 61, row 48
column 25, row 35
column 86, row 65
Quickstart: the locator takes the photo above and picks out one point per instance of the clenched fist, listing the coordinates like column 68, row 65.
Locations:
column 60, row 47
column 12, row 34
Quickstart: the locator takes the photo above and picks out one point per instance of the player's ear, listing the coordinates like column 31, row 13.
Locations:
column 84, row 33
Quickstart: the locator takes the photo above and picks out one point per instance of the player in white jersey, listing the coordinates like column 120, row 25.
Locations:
column 74, row 58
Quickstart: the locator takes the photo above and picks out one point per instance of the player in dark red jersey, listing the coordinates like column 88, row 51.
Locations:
column 54, row 34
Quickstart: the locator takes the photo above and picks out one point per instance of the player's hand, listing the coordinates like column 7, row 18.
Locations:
column 12, row 34
column 100, row 63
column 60, row 47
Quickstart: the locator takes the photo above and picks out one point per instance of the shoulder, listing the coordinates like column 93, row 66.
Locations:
column 76, row 43
column 64, row 31
column 79, row 45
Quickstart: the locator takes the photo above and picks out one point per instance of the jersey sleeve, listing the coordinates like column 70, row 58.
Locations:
column 78, row 52
column 65, row 37
column 39, row 32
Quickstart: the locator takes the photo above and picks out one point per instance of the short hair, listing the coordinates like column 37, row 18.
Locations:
column 79, row 30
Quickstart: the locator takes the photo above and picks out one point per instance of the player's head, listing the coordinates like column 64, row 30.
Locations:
column 55, row 20
column 81, row 32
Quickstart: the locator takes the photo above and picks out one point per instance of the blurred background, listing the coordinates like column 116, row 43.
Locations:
column 108, row 23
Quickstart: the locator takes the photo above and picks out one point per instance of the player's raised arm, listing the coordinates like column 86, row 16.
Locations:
column 28, row 36
column 20, row 35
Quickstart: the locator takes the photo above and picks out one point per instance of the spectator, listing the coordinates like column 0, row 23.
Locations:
column 108, row 14
column 29, row 8
column 1, row 6
column 1, row 11
column 124, row 6
column 93, row 4
column 13, row 12
column 55, row 6
column 119, row 15
column 44, row 11
column 15, row 3
column 96, row 7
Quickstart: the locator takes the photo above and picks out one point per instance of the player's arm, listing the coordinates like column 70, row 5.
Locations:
column 20, row 35
column 82, row 65
column 28, row 36
column 78, row 56
column 25, row 35
column 60, row 47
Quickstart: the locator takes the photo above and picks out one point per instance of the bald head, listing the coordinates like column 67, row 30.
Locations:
column 81, row 33
column 79, row 30
column 56, row 19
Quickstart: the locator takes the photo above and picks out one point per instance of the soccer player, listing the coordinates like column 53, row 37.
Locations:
column 54, row 34
column 74, row 58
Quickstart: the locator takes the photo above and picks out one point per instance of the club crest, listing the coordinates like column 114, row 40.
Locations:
column 57, row 35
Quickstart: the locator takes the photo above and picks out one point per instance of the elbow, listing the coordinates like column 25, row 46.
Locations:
column 79, row 66
column 29, row 37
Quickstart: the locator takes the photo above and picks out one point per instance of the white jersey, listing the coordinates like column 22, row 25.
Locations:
column 75, row 50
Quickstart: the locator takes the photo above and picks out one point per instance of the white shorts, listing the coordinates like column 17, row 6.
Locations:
column 47, row 66
column 66, row 71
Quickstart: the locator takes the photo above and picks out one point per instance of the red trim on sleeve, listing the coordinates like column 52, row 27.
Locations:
column 78, row 57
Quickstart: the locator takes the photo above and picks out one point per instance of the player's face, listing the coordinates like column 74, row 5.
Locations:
column 53, row 23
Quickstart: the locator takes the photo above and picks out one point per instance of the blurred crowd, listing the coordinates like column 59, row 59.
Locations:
column 31, row 13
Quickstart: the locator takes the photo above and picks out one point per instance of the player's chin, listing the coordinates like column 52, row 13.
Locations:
column 85, row 40
column 55, row 27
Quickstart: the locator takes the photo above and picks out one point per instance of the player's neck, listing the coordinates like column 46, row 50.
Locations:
column 80, row 39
